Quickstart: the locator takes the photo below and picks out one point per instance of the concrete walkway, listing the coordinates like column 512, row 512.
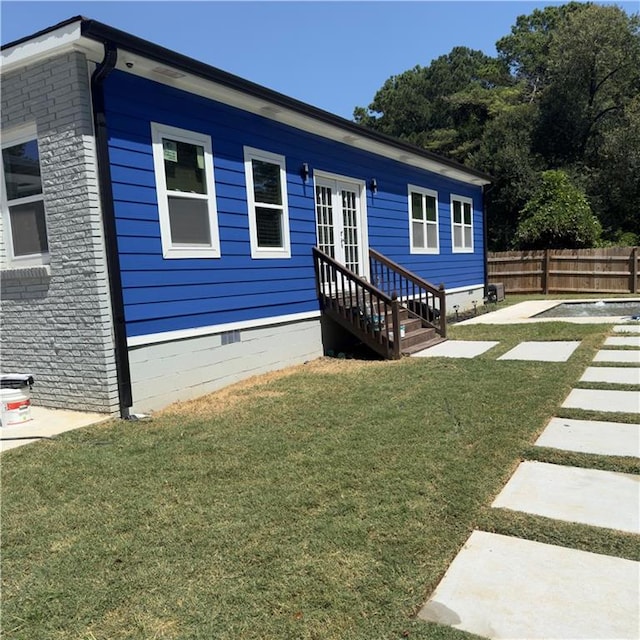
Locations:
column 46, row 423
column 504, row 587
column 571, row 494
column 542, row 351
column 592, row 436
column 457, row 349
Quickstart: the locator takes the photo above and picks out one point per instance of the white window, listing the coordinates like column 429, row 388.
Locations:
column 267, row 201
column 462, row 224
column 423, row 220
column 183, row 162
column 23, row 199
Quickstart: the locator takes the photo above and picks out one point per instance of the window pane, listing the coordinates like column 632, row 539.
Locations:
column 431, row 208
column 28, row 229
column 432, row 236
column 467, row 213
column 22, row 170
column 418, row 235
column 467, row 238
column 457, row 212
column 266, row 182
column 189, row 221
column 269, row 227
column 184, row 166
column 416, row 206
column 457, row 237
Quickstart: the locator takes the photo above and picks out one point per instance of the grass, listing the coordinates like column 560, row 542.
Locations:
column 325, row 501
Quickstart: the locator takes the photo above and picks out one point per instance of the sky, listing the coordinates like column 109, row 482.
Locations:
column 334, row 55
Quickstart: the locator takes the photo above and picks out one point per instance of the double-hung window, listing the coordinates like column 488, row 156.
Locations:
column 462, row 224
column 266, row 178
column 23, row 200
column 423, row 220
column 183, row 162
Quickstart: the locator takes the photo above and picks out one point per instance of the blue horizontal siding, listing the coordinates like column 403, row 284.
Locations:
column 165, row 295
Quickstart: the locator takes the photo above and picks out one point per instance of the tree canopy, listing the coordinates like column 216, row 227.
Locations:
column 562, row 93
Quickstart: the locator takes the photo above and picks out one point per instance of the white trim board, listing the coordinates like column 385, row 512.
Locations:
column 184, row 334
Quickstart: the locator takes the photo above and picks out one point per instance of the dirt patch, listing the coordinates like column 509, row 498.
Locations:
column 256, row 386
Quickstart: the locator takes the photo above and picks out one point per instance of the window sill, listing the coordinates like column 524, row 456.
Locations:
column 25, row 273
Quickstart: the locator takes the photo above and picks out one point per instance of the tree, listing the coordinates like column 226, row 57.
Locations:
column 593, row 72
column 526, row 49
column 558, row 216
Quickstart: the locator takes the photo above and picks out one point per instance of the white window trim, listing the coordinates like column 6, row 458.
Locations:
column 257, row 252
column 423, row 250
column 169, row 250
column 23, row 134
column 463, row 249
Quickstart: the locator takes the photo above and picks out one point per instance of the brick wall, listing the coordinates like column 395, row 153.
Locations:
column 56, row 321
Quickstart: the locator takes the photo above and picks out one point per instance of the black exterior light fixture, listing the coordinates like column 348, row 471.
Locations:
column 304, row 171
column 373, row 185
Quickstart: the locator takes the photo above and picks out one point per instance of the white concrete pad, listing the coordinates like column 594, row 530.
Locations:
column 623, row 341
column 504, row 587
column 613, row 375
column 556, row 351
column 592, row 436
column 601, row 400
column 456, row 349
column 45, row 424
column 627, row 328
column 609, row 355
column 589, row 496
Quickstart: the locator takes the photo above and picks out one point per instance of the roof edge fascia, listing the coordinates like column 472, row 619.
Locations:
column 197, row 77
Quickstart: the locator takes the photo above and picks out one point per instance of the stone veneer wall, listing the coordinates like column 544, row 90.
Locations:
column 56, row 321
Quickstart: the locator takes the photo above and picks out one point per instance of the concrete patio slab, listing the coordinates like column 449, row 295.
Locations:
column 592, row 436
column 45, row 424
column 623, row 341
column 601, row 400
column 627, row 328
column 588, row 496
column 456, row 349
column 503, row 587
column 613, row 375
column 555, row 351
column 609, row 355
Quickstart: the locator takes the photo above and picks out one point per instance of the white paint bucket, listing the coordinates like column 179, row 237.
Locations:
column 15, row 406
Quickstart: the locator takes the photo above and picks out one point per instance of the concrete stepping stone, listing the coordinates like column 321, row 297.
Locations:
column 627, row 328
column 572, row 494
column 504, row 587
column 613, row 375
column 608, row 355
column 623, row 341
column 555, row 351
column 592, row 436
column 456, row 349
column 601, row 400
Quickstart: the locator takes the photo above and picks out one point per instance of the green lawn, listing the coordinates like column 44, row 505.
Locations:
column 325, row 502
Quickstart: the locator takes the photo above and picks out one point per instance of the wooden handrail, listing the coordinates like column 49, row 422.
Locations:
column 423, row 299
column 358, row 305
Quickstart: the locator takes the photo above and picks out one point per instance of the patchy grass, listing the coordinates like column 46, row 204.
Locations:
column 325, row 501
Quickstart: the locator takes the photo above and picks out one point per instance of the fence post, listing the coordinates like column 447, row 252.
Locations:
column 545, row 272
column 634, row 270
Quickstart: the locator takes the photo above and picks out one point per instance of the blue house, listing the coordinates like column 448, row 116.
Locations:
column 169, row 228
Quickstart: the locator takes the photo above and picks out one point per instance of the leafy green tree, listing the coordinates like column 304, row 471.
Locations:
column 593, row 72
column 526, row 49
column 558, row 216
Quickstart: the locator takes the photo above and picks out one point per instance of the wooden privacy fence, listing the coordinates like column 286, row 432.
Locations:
column 612, row 270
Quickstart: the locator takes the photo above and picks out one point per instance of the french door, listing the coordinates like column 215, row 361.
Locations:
column 340, row 220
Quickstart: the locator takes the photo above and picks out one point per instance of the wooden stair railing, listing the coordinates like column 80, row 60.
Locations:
column 423, row 300
column 357, row 305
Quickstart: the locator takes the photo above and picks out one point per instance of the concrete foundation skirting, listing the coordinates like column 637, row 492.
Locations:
column 183, row 369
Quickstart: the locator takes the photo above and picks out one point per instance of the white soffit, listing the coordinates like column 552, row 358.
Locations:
column 68, row 37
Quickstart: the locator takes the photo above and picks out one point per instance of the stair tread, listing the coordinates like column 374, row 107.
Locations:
column 422, row 345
